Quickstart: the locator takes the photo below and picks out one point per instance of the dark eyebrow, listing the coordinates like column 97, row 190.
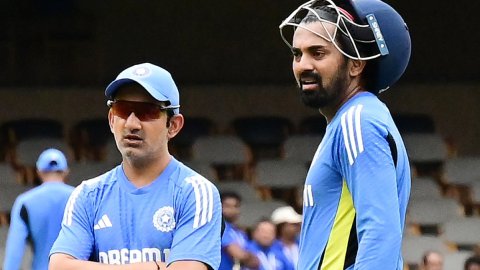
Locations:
column 316, row 47
column 310, row 49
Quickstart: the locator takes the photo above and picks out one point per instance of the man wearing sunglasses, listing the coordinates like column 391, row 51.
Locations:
column 151, row 212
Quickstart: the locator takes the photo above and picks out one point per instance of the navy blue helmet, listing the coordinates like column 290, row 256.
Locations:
column 365, row 30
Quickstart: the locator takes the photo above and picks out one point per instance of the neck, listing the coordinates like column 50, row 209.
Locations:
column 51, row 180
column 330, row 111
column 141, row 174
column 52, row 177
column 287, row 240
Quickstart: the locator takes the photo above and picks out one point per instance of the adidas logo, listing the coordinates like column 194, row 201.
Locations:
column 104, row 222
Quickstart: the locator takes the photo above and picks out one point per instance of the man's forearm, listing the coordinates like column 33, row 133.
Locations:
column 61, row 261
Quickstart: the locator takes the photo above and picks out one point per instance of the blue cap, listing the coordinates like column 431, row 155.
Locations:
column 52, row 160
column 157, row 81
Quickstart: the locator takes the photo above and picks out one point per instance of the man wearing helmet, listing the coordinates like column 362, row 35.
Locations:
column 345, row 52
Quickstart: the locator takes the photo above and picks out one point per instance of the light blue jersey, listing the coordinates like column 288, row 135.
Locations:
column 36, row 217
column 270, row 258
column 231, row 235
column 356, row 192
column 176, row 217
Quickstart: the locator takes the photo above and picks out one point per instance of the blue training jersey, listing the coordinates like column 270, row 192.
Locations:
column 270, row 258
column 356, row 192
column 176, row 217
column 36, row 217
column 232, row 235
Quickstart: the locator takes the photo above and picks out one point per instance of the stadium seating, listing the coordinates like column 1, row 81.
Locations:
column 248, row 193
column 427, row 153
column 203, row 168
column 462, row 170
column 413, row 248
column 455, row 261
column 313, row 125
column 8, row 194
column 275, row 175
column 424, row 187
column 21, row 129
column 301, row 148
column 464, row 233
column 8, row 175
column 280, row 179
column 27, row 151
column 3, row 240
column 88, row 136
column 86, row 170
column 228, row 155
column 424, row 148
column 414, row 123
column 431, row 213
column 193, row 128
column 264, row 134
column 252, row 212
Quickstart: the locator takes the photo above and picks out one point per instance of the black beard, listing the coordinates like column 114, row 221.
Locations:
column 315, row 98
column 324, row 95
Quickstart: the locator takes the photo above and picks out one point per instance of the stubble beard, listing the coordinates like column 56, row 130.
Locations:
column 135, row 156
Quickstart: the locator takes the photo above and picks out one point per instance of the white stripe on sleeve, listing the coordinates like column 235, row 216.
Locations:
column 358, row 128
column 345, row 138
column 352, row 132
column 203, row 200
column 70, row 207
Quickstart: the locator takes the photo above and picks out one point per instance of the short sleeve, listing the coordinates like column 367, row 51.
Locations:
column 198, row 230
column 76, row 235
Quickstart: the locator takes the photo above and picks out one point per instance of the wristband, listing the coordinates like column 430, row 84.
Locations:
column 158, row 266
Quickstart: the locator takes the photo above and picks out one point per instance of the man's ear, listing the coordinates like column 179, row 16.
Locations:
column 176, row 124
column 356, row 67
column 110, row 120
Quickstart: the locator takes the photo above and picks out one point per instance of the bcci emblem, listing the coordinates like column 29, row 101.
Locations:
column 163, row 219
column 141, row 71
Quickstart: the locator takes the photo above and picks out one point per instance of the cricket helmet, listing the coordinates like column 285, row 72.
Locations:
column 365, row 30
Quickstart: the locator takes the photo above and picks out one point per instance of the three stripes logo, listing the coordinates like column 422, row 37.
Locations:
column 203, row 200
column 104, row 222
column 352, row 132
column 307, row 196
column 68, row 217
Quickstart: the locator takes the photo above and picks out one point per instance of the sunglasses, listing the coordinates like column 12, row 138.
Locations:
column 144, row 111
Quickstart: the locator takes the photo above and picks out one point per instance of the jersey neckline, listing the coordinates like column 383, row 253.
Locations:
column 162, row 178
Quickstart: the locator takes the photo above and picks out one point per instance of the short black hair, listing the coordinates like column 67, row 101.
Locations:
column 474, row 260
column 230, row 194
column 371, row 67
column 262, row 220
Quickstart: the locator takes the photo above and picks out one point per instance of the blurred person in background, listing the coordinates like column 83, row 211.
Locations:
column 432, row 260
column 234, row 240
column 264, row 246
column 288, row 223
column 472, row 263
column 37, row 214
